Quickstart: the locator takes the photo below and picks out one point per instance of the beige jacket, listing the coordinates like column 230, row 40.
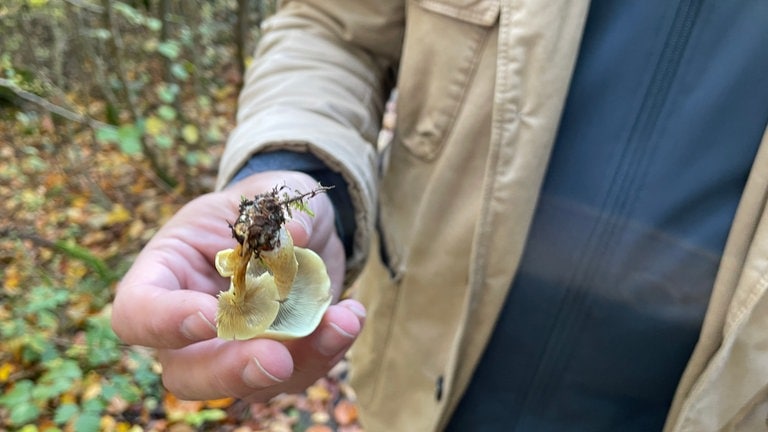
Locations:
column 482, row 84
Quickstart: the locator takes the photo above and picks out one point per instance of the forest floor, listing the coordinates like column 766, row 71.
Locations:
column 75, row 213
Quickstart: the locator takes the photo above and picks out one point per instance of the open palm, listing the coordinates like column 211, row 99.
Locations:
column 167, row 300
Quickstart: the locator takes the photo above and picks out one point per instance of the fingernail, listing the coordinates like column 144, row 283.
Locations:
column 304, row 223
column 356, row 309
column 330, row 344
column 197, row 327
column 254, row 375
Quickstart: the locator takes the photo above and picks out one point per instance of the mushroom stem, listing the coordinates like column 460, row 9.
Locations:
column 242, row 257
column 282, row 264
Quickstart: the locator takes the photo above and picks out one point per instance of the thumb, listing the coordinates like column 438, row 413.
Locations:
column 301, row 228
column 315, row 228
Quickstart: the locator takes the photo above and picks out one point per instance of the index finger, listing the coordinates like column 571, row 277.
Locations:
column 167, row 298
column 152, row 309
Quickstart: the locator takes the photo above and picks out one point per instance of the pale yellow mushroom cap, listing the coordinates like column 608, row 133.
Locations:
column 310, row 296
column 225, row 262
column 248, row 317
column 260, row 312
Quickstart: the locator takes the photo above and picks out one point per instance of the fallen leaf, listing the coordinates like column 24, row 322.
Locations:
column 318, row 393
column 6, row 369
column 46, row 124
column 11, row 278
column 219, row 403
column 176, row 409
column 154, row 126
column 190, row 133
column 345, row 412
column 117, row 215
column 319, row 428
column 54, row 179
column 320, row 417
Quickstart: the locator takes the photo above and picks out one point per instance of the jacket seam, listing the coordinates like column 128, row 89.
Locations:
column 478, row 262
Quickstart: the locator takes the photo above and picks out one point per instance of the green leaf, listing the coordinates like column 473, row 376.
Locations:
column 45, row 392
column 107, row 134
column 45, row 298
column 192, row 158
column 168, row 92
column 301, row 206
column 179, row 72
column 61, row 376
column 88, row 422
column 129, row 13
column 21, row 414
column 196, row 419
column 204, row 101
column 19, row 403
column 95, row 405
column 129, row 139
column 153, row 24
column 169, row 49
column 20, row 394
column 12, row 328
column 166, row 112
column 65, row 368
column 47, row 320
column 98, row 33
column 103, row 344
column 38, row 347
column 144, row 375
column 214, row 133
column 164, row 141
column 65, row 412
column 35, row 164
column 121, row 385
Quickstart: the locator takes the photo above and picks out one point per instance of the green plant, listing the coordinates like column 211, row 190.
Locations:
column 70, row 380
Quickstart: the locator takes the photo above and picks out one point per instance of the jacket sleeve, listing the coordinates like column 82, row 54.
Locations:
column 319, row 82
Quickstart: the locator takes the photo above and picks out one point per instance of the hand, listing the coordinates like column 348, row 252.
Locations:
column 167, row 300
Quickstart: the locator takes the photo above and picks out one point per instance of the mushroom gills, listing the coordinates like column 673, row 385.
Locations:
column 260, row 309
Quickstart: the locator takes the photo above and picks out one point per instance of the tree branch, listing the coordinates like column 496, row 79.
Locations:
column 50, row 106
column 87, row 6
column 69, row 249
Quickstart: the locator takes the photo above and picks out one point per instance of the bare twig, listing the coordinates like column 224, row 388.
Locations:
column 87, row 6
column 91, row 53
column 67, row 248
column 241, row 33
column 50, row 106
column 118, row 49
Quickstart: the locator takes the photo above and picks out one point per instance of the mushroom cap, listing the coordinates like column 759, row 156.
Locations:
column 225, row 262
column 250, row 316
column 260, row 312
column 300, row 314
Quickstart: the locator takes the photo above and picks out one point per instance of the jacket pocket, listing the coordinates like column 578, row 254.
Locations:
column 482, row 12
column 443, row 46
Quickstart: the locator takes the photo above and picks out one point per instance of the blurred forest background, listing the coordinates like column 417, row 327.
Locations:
column 113, row 114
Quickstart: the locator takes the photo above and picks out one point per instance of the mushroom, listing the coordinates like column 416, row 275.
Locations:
column 278, row 294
